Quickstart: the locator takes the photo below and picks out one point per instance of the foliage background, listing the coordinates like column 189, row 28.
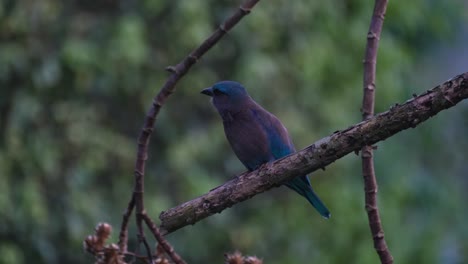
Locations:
column 77, row 77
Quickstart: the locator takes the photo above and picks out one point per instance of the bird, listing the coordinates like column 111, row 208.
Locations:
column 257, row 136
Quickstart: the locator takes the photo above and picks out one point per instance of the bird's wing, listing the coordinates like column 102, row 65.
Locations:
column 278, row 138
column 280, row 143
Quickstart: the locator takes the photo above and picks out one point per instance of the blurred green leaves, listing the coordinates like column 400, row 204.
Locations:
column 77, row 77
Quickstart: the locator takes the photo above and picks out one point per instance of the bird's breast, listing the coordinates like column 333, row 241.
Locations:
column 248, row 141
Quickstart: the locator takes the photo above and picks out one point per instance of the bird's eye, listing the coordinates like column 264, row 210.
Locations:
column 217, row 92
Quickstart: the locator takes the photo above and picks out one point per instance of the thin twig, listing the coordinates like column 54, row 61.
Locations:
column 368, row 102
column 178, row 72
column 318, row 155
column 123, row 235
column 142, row 238
column 162, row 242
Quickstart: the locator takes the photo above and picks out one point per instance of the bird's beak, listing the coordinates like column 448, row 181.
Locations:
column 207, row 91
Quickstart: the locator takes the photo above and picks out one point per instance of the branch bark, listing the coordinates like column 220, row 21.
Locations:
column 368, row 102
column 318, row 155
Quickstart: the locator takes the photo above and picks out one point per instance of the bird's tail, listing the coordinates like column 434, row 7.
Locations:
column 317, row 203
column 302, row 186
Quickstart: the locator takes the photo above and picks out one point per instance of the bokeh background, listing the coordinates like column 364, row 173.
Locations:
column 76, row 78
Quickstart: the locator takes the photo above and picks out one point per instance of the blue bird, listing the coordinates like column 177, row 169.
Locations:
column 255, row 135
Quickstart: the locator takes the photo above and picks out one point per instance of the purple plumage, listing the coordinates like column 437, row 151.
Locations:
column 255, row 135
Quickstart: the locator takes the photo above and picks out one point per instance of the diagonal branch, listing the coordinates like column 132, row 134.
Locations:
column 368, row 101
column 162, row 242
column 178, row 72
column 318, row 155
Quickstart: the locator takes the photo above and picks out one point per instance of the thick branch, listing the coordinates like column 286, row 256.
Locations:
column 318, row 155
column 368, row 102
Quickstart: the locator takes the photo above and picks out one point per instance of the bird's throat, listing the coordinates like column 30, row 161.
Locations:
column 227, row 116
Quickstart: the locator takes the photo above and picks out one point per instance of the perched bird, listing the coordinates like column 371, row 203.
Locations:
column 255, row 135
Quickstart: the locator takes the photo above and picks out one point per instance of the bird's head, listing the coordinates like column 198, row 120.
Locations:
column 228, row 96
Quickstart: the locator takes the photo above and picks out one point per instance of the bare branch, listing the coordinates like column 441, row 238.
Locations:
column 123, row 234
column 162, row 242
column 368, row 102
column 318, row 155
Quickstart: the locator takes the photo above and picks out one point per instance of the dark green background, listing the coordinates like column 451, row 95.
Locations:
column 76, row 78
